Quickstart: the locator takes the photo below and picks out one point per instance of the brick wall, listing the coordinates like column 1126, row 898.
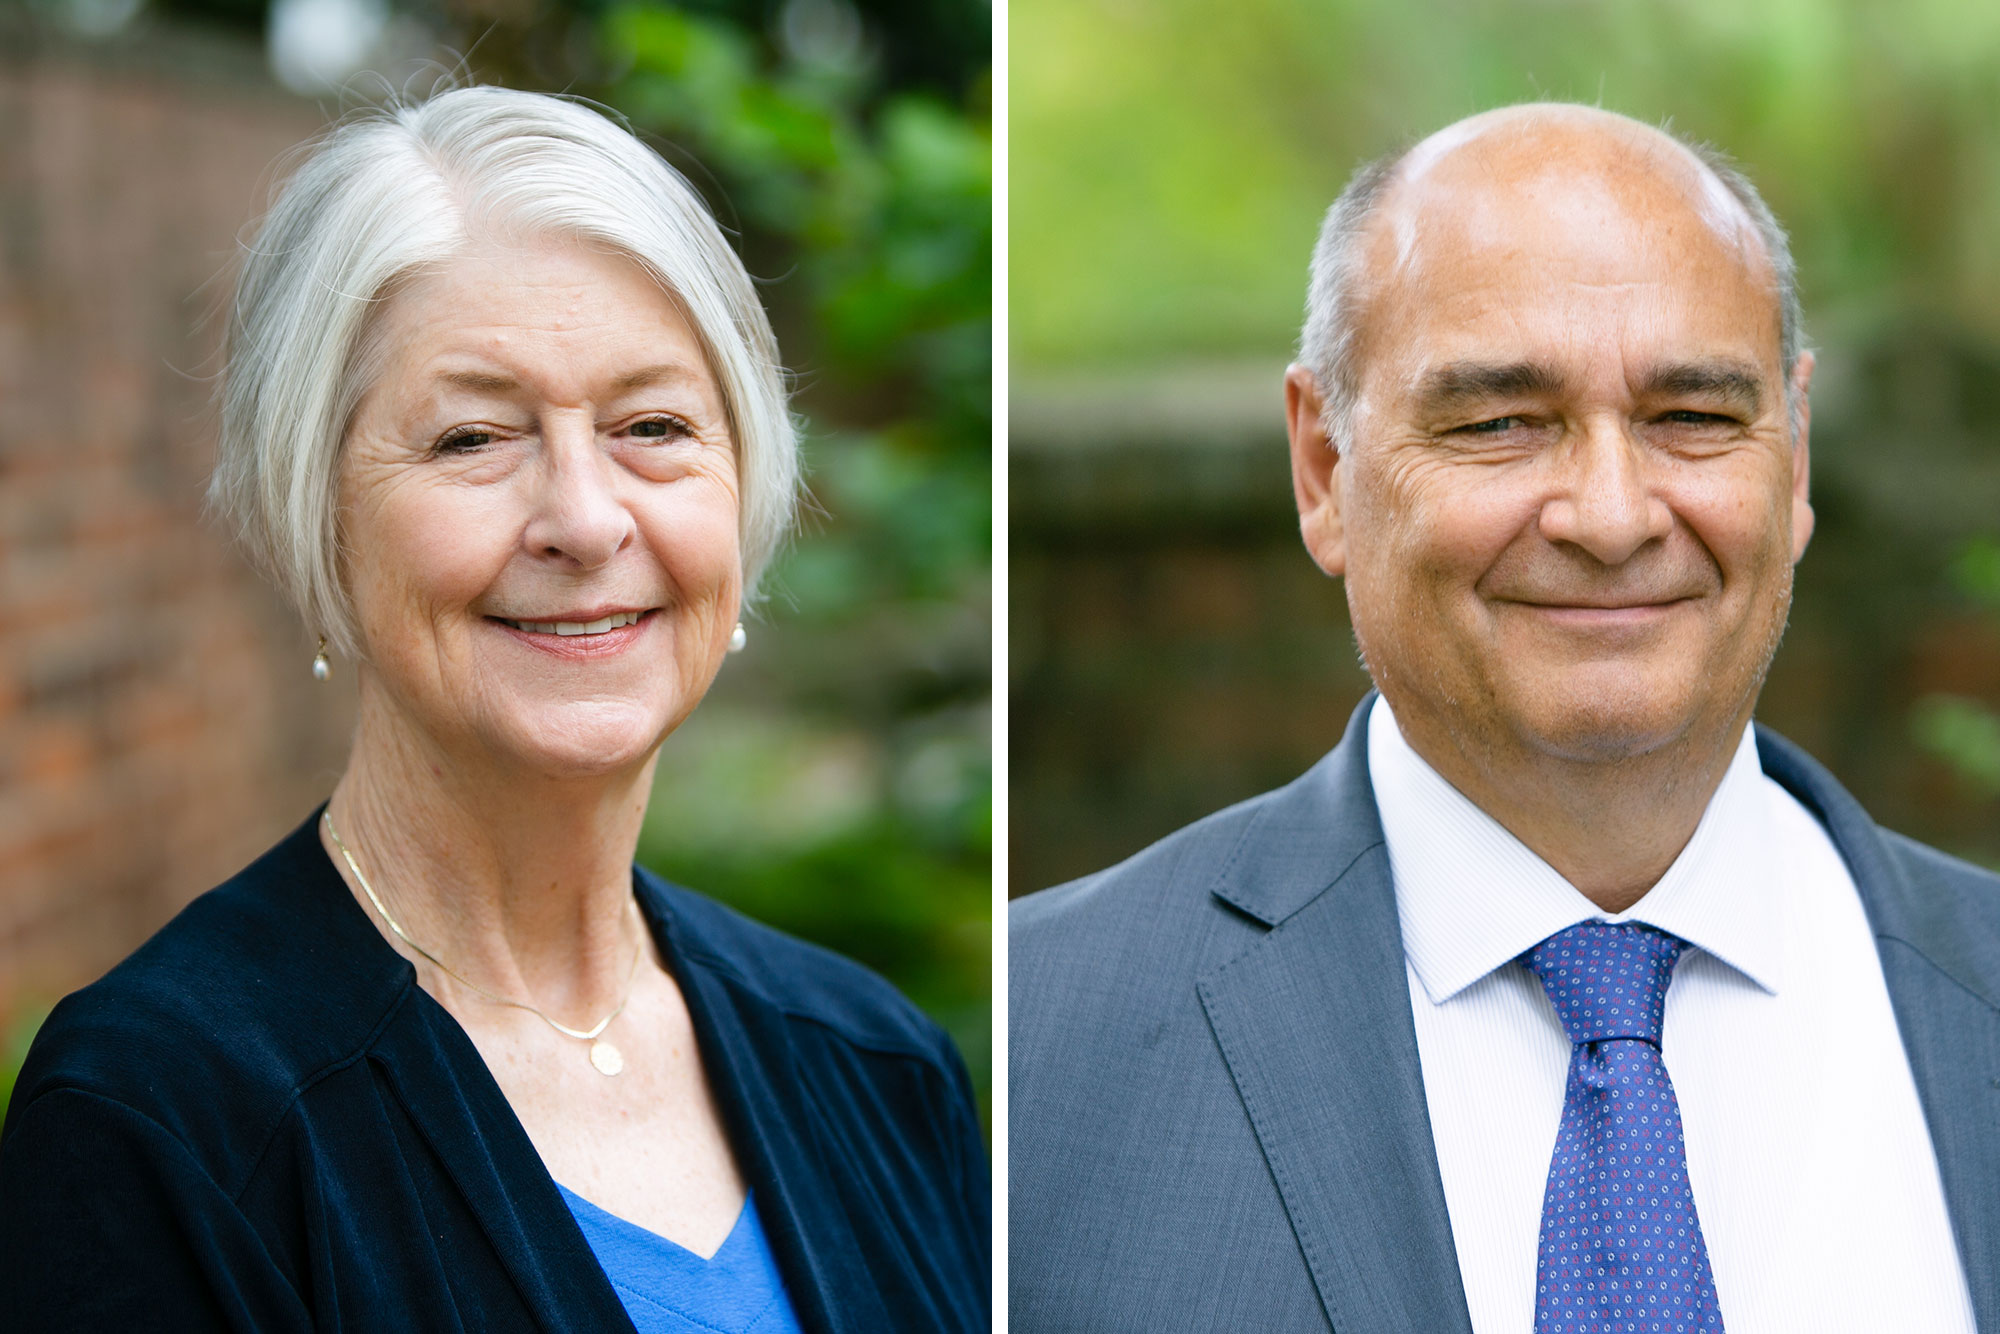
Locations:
column 158, row 725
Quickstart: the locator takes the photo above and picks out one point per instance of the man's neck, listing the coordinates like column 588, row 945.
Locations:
column 1609, row 826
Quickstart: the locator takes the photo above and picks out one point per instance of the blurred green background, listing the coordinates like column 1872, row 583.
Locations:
column 836, row 783
column 1172, row 648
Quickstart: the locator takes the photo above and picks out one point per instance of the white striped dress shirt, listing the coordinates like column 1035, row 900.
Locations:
column 1811, row 1165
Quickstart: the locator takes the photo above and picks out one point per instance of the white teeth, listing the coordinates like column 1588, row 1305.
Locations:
column 596, row 627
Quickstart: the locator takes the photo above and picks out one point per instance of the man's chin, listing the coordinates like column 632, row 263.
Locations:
column 1604, row 741
column 1605, row 721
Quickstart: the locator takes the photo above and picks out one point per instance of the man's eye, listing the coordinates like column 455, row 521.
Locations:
column 1690, row 417
column 658, row 428
column 1492, row 427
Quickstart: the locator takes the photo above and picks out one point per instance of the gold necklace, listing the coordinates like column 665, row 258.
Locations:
column 604, row 1058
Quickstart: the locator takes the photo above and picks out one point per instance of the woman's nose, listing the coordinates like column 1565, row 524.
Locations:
column 579, row 516
column 1605, row 504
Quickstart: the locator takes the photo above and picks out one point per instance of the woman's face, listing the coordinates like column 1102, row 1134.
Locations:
column 539, row 510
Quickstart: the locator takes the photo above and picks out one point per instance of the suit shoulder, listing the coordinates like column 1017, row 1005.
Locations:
column 1173, row 873
column 804, row 980
column 1122, row 940
column 1955, row 874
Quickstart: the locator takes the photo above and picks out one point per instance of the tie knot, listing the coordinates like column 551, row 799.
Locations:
column 1607, row 980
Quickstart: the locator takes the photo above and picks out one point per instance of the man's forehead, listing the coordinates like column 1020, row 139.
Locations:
column 1495, row 166
column 1539, row 233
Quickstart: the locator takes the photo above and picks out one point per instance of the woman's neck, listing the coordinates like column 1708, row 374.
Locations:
column 519, row 882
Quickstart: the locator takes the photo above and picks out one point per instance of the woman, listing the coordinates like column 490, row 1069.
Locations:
column 504, row 418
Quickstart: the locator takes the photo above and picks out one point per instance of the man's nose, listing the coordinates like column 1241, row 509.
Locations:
column 579, row 518
column 1605, row 503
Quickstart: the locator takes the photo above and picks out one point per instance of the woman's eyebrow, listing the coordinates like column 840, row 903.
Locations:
column 480, row 382
column 665, row 372
column 491, row 382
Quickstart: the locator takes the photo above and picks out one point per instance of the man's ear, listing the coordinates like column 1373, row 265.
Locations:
column 1801, row 407
column 1315, row 464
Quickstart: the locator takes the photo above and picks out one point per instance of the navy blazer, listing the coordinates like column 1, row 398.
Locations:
column 1216, row 1115
column 260, row 1122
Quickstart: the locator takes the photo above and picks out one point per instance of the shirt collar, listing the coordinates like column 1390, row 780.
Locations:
column 1472, row 897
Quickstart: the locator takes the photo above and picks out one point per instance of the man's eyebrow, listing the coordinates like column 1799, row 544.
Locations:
column 1728, row 381
column 1462, row 383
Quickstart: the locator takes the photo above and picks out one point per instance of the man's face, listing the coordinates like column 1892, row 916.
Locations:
column 1569, row 501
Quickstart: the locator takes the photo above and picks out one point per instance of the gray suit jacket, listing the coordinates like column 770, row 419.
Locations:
column 1216, row 1117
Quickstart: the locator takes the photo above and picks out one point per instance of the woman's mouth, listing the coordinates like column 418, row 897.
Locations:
column 601, row 625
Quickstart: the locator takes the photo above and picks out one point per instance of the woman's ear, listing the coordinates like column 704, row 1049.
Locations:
column 1315, row 471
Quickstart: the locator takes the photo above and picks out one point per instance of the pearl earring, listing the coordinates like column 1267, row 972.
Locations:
column 737, row 639
column 321, row 667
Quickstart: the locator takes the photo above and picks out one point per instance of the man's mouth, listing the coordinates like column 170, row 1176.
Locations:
column 1632, row 604
column 567, row 628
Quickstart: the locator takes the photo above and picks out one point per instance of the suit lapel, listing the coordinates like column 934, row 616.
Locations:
column 1314, row 1023
column 1940, row 950
column 1952, row 1038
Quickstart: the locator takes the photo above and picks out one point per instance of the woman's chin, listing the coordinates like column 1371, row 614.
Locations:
column 586, row 741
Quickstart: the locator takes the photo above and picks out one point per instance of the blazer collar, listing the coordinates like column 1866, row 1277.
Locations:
column 1939, row 941
column 1314, row 1023
column 1308, row 835
column 1954, row 936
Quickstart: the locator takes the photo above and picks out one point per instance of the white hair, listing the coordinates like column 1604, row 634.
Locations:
column 392, row 191
column 1335, row 290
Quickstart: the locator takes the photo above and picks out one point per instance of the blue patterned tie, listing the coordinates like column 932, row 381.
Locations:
column 1621, row 1248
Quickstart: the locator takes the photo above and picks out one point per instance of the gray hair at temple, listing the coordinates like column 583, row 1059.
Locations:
column 387, row 194
column 1327, row 345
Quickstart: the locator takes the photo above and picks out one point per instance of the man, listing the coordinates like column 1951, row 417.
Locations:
column 1557, row 997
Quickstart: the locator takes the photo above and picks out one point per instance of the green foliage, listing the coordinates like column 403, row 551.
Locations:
column 914, row 910
column 1170, row 164
column 1963, row 733
column 837, row 783
column 1976, row 572
column 15, row 1036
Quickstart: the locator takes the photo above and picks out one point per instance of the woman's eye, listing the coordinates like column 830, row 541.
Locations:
column 658, row 428
column 465, row 438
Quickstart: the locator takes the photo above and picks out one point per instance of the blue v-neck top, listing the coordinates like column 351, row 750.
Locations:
column 668, row 1289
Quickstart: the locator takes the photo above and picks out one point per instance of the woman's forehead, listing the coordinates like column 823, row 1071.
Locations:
column 510, row 320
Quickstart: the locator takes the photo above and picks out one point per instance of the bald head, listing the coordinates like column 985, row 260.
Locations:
column 1547, row 156
column 1601, row 176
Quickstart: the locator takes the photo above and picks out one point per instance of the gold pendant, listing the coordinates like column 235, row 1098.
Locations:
column 607, row 1058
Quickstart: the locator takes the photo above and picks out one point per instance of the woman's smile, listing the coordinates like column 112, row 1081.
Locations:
column 580, row 637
